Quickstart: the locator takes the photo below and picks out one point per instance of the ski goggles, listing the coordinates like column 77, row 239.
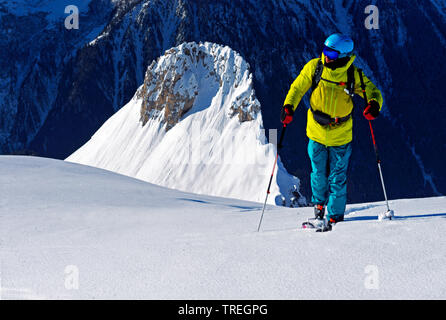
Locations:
column 331, row 53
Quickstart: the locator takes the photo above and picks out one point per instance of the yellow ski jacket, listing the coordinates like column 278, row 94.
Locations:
column 331, row 99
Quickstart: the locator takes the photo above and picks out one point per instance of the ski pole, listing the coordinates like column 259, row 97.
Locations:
column 375, row 147
column 279, row 146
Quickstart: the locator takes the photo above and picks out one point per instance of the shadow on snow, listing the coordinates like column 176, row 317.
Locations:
column 364, row 218
column 242, row 208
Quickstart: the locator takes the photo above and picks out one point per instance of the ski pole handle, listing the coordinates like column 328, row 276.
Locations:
column 282, row 134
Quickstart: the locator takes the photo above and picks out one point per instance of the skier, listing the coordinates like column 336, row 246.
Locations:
column 334, row 81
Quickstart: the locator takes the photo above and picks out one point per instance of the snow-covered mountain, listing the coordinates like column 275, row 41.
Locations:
column 194, row 125
column 56, row 92
column 75, row 232
column 36, row 51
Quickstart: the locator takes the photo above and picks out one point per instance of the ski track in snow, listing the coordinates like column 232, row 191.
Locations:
column 133, row 240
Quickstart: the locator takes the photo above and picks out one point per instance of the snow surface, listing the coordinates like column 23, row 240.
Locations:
column 129, row 239
column 208, row 151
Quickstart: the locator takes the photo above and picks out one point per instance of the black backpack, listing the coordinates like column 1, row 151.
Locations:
column 323, row 118
column 350, row 85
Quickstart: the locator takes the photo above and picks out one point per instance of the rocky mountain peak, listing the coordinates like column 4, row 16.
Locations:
column 190, row 73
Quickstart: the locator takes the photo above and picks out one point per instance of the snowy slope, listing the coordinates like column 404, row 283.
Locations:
column 195, row 125
column 124, row 238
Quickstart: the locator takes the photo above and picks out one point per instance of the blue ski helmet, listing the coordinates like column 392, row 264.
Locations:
column 338, row 46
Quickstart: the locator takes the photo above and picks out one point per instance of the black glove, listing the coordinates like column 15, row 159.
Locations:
column 371, row 112
column 286, row 116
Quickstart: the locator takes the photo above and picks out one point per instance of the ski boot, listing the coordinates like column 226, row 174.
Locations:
column 319, row 211
column 320, row 225
column 328, row 225
column 319, row 222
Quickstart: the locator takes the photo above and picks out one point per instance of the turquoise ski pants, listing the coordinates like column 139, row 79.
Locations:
column 329, row 177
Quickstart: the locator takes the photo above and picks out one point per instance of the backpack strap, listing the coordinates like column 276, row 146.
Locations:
column 350, row 87
column 317, row 74
column 364, row 93
column 362, row 79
